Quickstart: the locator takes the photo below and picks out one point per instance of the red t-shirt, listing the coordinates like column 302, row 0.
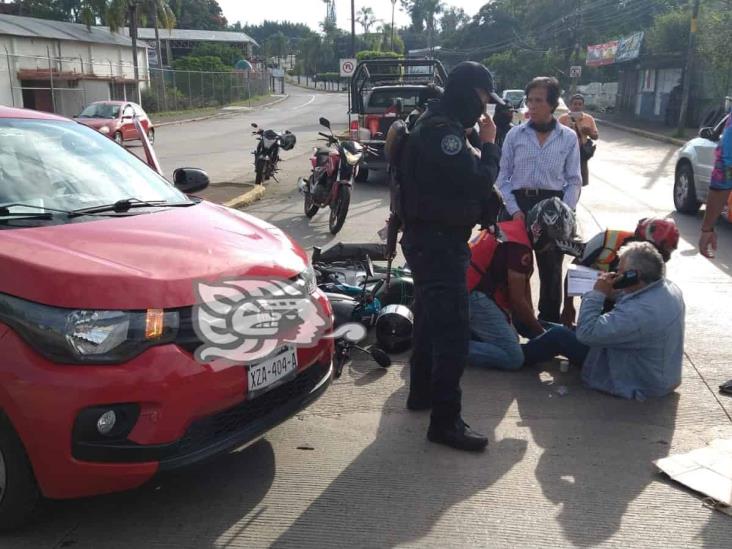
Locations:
column 508, row 255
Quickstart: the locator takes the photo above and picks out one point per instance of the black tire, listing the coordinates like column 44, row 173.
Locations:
column 259, row 172
column 363, row 175
column 339, row 210
column 151, row 136
column 311, row 208
column 119, row 139
column 685, row 199
column 19, row 495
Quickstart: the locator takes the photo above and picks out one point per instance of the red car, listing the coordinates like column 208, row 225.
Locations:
column 103, row 263
column 115, row 120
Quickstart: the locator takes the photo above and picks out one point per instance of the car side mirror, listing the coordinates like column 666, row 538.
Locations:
column 324, row 122
column 707, row 133
column 190, row 180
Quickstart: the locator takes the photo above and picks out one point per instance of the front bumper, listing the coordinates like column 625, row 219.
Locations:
column 219, row 432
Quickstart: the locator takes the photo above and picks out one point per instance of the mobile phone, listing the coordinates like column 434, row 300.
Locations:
column 629, row 278
column 490, row 109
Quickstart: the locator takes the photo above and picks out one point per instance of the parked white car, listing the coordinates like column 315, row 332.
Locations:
column 694, row 166
column 521, row 114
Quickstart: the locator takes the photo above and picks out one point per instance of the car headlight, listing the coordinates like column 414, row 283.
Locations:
column 352, row 159
column 104, row 130
column 76, row 336
column 308, row 280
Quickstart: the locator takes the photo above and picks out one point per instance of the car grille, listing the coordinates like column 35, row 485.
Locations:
column 223, row 425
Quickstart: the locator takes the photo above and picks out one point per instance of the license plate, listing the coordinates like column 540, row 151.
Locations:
column 269, row 371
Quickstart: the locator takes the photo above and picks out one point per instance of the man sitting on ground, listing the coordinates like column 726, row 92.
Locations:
column 634, row 351
column 601, row 251
column 498, row 277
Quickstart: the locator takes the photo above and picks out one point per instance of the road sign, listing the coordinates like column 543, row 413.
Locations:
column 278, row 73
column 348, row 66
column 575, row 71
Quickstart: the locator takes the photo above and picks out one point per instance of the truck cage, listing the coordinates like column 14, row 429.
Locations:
column 371, row 73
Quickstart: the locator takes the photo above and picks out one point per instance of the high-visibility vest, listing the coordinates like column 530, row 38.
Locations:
column 483, row 248
column 611, row 245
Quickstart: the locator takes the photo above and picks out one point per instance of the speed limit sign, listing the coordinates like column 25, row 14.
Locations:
column 348, row 66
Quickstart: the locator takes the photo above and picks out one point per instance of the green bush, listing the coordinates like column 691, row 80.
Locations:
column 372, row 54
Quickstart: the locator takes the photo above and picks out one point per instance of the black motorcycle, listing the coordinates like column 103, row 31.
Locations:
column 266, row 156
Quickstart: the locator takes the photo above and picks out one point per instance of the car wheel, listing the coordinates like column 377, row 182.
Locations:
column 685, row 199
column 363, row 175
column 19, row 494
column 118, row 138
column 151, row 136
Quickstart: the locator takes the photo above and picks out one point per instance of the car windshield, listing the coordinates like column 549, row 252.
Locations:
column 514, row 96
column 61, row 165
column 100, row 110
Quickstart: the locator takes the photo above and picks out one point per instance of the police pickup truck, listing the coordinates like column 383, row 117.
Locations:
column 383, row 90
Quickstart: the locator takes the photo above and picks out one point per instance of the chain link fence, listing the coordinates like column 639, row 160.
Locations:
column 65, row 85
column 173, row 90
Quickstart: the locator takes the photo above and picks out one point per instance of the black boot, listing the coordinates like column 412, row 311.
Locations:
column 417, row 402
column 457, row 435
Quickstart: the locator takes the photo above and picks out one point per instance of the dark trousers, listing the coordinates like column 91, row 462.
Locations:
column 439, row 260
column 549, row 264
column 557, row 340
column 584, row 169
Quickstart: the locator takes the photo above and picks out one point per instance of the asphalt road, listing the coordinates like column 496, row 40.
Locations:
column 355, row 470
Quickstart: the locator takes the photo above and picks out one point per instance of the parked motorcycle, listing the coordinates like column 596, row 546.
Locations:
column 266, row 156
column 330, row 183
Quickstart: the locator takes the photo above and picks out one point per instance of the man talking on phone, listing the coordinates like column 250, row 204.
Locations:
column 635, row 351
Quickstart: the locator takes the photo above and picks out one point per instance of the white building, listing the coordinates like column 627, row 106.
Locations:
column 61, row 67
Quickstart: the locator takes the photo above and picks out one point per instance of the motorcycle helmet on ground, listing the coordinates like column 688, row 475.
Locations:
column 548, row 222
column 400, row 292
column 662, row 233
column 288, row 140
column 394, row 327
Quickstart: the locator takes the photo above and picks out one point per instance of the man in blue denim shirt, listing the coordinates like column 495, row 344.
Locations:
column 634, row 351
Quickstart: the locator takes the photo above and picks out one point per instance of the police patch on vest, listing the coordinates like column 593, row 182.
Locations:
column 451, row 144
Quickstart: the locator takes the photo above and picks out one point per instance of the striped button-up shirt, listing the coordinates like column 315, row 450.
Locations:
column 553, row 166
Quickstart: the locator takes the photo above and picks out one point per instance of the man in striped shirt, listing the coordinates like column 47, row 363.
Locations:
column 540, row 159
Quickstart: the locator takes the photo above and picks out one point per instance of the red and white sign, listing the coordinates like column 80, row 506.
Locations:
column 348, row 66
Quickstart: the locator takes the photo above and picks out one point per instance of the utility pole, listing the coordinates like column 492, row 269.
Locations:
column 688, row 70
column 577, row 37
column 393, row 3
column 353, row 28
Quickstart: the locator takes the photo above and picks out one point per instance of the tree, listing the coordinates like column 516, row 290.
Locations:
column 199, row 14
column 366, row 19
column 715, row 44
column 453, row 19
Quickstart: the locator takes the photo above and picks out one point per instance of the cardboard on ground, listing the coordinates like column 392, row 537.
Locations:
column 581, row 280
column 706, row 470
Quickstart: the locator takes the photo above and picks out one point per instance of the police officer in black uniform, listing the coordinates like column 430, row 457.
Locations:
column 447, row 190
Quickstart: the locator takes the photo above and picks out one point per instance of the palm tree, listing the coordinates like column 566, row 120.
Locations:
column 366, row 19
column 121, row 12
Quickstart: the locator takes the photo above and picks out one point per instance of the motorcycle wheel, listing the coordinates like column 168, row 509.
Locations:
column 339, row 210
column 259, row 171
column 311, row 208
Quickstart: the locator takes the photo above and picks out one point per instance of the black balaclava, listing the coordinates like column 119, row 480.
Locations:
column 460, row 99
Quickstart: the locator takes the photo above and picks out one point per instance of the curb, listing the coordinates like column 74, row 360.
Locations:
column 295, row 84
column 247, row 198
column 219, row 113
column 643, row 133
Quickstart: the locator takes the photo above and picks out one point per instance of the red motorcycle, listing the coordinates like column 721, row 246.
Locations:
column 330, row 183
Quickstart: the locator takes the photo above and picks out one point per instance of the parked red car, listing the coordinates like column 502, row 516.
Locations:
column 100, row 387
column 115, row 120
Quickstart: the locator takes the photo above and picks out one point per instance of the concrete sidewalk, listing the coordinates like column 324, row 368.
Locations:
column 644, row 128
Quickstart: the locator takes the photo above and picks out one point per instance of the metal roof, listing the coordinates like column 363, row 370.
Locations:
column 193, row 35
column 31, row 27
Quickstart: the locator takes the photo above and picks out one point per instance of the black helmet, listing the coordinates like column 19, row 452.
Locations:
column 288, row 140
column 470, row 74
column 394, row 328
column 551, row 220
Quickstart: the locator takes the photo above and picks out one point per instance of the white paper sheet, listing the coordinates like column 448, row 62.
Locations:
column 580, row 280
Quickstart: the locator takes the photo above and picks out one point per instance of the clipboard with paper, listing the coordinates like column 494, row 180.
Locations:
column 581, row 280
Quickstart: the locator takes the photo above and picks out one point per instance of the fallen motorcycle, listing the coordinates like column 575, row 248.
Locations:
column 267, row 154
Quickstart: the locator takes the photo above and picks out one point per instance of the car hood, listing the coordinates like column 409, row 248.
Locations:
column 97, row 123
column 151, row 260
